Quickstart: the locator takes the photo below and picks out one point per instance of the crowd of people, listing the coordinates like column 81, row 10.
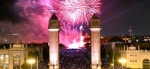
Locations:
column 44, row 64
column 74, row 59
column 71, row 59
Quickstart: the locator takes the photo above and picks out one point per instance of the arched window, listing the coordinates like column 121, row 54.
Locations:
column 146, row 64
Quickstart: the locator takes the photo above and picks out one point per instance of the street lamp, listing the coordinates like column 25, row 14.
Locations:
column 96, row 66
column 31, row 61
column 122, row 61
column 53, row 66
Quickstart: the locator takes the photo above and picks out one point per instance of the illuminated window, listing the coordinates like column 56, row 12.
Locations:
column 133, row 60
column 4, row 59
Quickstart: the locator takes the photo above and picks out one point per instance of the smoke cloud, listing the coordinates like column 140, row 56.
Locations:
column 25, row 21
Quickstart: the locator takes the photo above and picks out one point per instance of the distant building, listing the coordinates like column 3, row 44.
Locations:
column 126, row 39
column 14, row 56
column 136, row 58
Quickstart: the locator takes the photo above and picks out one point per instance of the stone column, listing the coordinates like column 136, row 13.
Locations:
column 54, row 49
column 54, row 43
column 95, row 43
column 95, row 48
column 10, row 60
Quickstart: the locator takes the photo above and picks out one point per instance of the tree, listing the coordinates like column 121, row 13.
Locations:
column 25, row 66
column 117, row 56
column 116, row 39
column 33, row 54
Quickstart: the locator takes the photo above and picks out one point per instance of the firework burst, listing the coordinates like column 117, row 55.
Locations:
column 72, row 14
column 78, row 11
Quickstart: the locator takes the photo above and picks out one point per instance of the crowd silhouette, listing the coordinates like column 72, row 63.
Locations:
column 74, row 59
column 71, row 59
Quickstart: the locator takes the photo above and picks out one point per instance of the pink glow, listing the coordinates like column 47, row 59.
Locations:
column 78, row 11
column 73, row 40
column 71, row 14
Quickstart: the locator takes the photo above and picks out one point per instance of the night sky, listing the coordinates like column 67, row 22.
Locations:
column 116, row 17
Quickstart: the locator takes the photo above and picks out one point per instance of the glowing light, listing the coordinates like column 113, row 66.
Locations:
column 95, row 29
column 53, row 29
column 31, row 61
column 73, row 45
column 71, row 14
column 72, row 40
column 53, row 58
column 95, row 58
column 122, row 60
column 81, row 43
column 76, row 45
column 78, row 11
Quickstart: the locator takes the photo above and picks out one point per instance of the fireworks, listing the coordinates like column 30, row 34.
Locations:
column 78, row 11
column 72, row 14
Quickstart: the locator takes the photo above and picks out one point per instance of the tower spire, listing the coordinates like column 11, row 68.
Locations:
column 130, row 30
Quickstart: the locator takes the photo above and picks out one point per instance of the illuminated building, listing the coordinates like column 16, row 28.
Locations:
column 136, row 58
column 14, row 56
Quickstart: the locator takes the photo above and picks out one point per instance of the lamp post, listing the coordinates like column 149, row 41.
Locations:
column 96, row 66
column 31, row 61
column 37, row 63
column 53, row 66
column 122, row 61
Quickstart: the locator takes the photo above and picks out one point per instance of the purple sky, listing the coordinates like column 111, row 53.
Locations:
column 116, row 17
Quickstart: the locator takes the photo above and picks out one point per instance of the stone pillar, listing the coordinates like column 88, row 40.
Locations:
column 54, row 49
column 4, row 62
column 10, row 60
column 95, row 48
column 54, row 43
column 95, row 43
column 22, row 60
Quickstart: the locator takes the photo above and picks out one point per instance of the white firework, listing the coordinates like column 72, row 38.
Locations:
column 78, row 11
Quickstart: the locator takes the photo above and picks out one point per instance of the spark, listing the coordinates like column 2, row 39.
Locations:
column 72, row 15
column 78, row 11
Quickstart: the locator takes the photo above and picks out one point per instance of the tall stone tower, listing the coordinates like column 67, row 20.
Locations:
column 54, row 43
column 95, row 43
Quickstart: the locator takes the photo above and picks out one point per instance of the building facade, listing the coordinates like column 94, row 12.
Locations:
column 14, row 56
column 136, row 58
